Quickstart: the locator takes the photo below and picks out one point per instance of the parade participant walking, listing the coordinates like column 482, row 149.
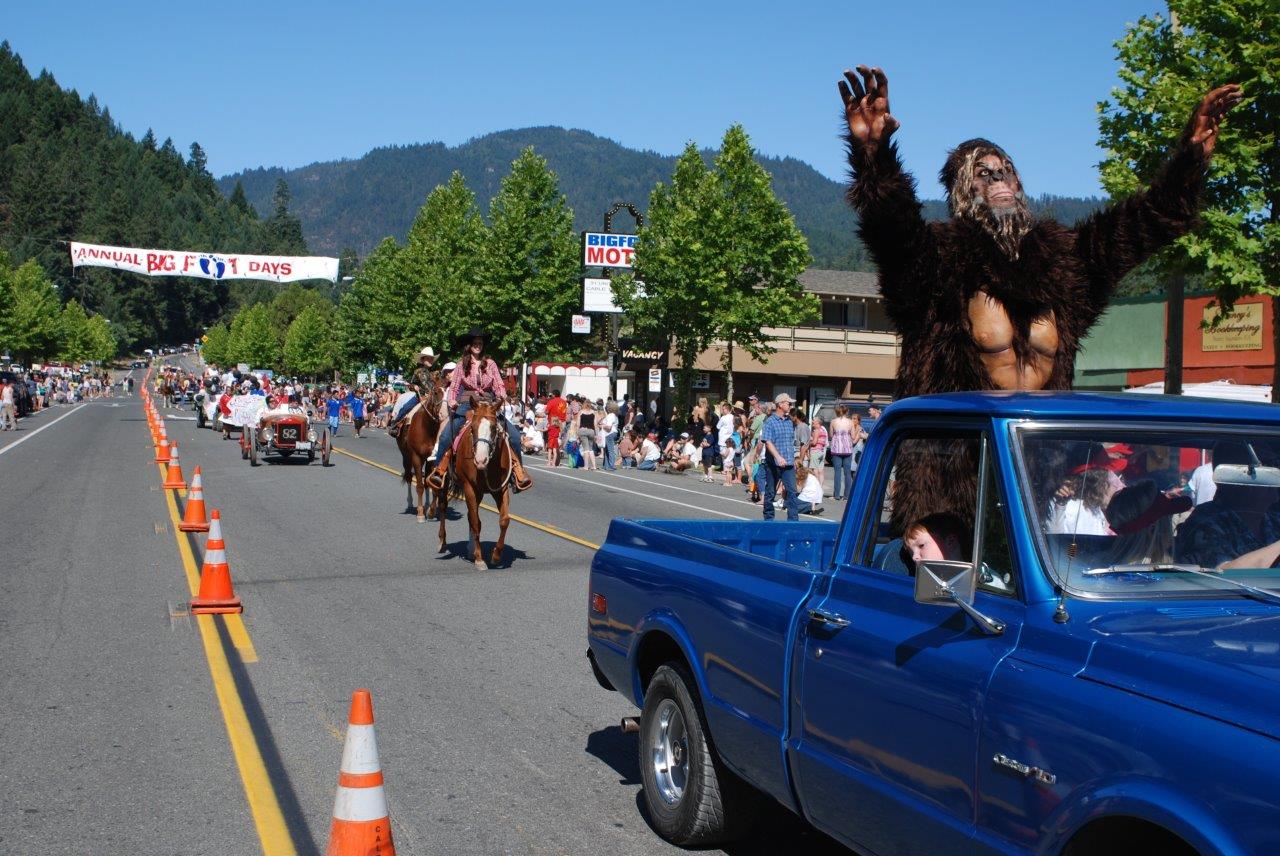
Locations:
column 419, row 388
column 333, row 409
column 355, row 401
column 477, row 374
column 779, row 453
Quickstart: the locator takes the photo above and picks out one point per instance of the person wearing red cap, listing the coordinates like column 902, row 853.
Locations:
column 1079, row 508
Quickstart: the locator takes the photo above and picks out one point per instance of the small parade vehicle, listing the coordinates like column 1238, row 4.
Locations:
column 284, row 433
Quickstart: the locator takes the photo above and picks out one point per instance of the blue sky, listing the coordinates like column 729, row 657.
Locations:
column 286, row 84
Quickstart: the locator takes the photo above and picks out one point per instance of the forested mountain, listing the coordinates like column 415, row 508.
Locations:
column 67, row 171
column 357, row 203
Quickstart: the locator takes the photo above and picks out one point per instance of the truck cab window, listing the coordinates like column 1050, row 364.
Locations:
column 944, row 529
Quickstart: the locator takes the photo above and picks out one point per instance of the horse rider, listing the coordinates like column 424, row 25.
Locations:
column 475, row 375
column 420, row 386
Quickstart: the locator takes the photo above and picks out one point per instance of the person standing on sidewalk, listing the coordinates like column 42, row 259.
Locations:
column 8, row 411
column 779, row 453
column 608, row 430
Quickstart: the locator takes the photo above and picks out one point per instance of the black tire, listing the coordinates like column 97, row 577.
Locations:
column 200, row 422
column 244, row 448
column 713, row 805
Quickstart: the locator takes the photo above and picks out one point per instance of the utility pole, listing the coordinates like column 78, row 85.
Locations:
column 1175, row 290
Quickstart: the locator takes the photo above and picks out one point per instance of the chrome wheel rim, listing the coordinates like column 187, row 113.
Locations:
column 670, row 752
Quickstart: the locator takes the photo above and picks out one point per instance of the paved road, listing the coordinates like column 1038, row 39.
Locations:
column 493, row 735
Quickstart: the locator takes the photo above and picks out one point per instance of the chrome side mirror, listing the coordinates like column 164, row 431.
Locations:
column 945, row 582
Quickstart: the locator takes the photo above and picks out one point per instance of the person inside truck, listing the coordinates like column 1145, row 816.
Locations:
column 1142, row 518
column 938, row 536
column 1239, row 527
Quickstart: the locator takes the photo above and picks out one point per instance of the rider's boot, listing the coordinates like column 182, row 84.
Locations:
column 394, row 428
column 522, row 480
column 435, row 480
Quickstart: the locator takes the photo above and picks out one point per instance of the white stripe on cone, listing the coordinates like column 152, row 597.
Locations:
column 360, row 804
column 360, row 752
column 215, row 557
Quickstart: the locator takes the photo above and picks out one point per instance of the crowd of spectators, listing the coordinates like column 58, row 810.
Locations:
column 27, row 391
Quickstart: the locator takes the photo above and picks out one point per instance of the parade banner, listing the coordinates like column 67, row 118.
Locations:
column 204, row 265
column 245, row 409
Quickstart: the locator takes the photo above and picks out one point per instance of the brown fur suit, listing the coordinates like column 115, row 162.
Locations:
column 930, row 272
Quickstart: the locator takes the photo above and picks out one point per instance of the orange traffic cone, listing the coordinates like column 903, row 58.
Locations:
column 174, row 479
column 162, row 450
column 216, row 594
column 193, row 519
column 360, row 822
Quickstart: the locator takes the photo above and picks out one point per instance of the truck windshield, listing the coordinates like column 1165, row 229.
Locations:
column 1135, row 513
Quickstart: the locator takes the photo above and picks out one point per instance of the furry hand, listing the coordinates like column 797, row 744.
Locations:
column 1209, row 113
column 866, row 107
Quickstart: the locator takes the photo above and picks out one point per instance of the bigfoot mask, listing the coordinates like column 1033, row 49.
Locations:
column 983, row 185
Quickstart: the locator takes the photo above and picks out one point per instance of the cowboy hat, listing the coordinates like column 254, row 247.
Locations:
column 428, row 351
column 464, row 340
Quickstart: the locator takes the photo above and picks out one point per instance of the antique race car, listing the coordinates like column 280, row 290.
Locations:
column 283, row 434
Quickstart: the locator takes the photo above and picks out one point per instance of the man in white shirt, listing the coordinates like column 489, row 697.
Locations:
column 1202, row 484
column 685, row 452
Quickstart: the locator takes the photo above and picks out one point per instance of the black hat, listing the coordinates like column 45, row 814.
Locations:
column 465, row 339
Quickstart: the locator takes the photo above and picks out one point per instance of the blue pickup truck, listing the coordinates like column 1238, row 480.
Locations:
column 1094, row 667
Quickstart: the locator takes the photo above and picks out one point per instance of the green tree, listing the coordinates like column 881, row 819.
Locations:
column 290, row 303
column 217, row 347
column 682, row 273
column 441, row 267
column 309, row 344
column 761, row 251
column 253, row 338
column 373, row 314
column 76, row 338
column 103, row 344
column 531, row 265
column 1165, row 71
column 30, row 320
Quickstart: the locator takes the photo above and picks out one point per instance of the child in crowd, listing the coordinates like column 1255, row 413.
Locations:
column 553, row 441
column 730, row 453
column 809, row 490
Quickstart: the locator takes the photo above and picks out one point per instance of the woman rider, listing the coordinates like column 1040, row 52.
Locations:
column 476, row 374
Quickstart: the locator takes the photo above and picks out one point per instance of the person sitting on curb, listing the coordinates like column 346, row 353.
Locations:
column 648, row 455
column 682, row 454
column 809, row 497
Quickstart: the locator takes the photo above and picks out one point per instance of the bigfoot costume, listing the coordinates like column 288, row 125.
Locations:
column 992, row 298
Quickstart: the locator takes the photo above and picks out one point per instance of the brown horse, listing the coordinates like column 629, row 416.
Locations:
column 417, row 440
column 483, row 464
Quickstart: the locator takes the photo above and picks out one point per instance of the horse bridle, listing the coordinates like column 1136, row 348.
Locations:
column 499, row 431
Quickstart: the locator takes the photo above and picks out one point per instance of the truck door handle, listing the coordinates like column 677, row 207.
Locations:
column 830, row 619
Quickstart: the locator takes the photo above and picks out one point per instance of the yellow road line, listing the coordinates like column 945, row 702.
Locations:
column 273, row 833
column 235, row 623
column 550, row 530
